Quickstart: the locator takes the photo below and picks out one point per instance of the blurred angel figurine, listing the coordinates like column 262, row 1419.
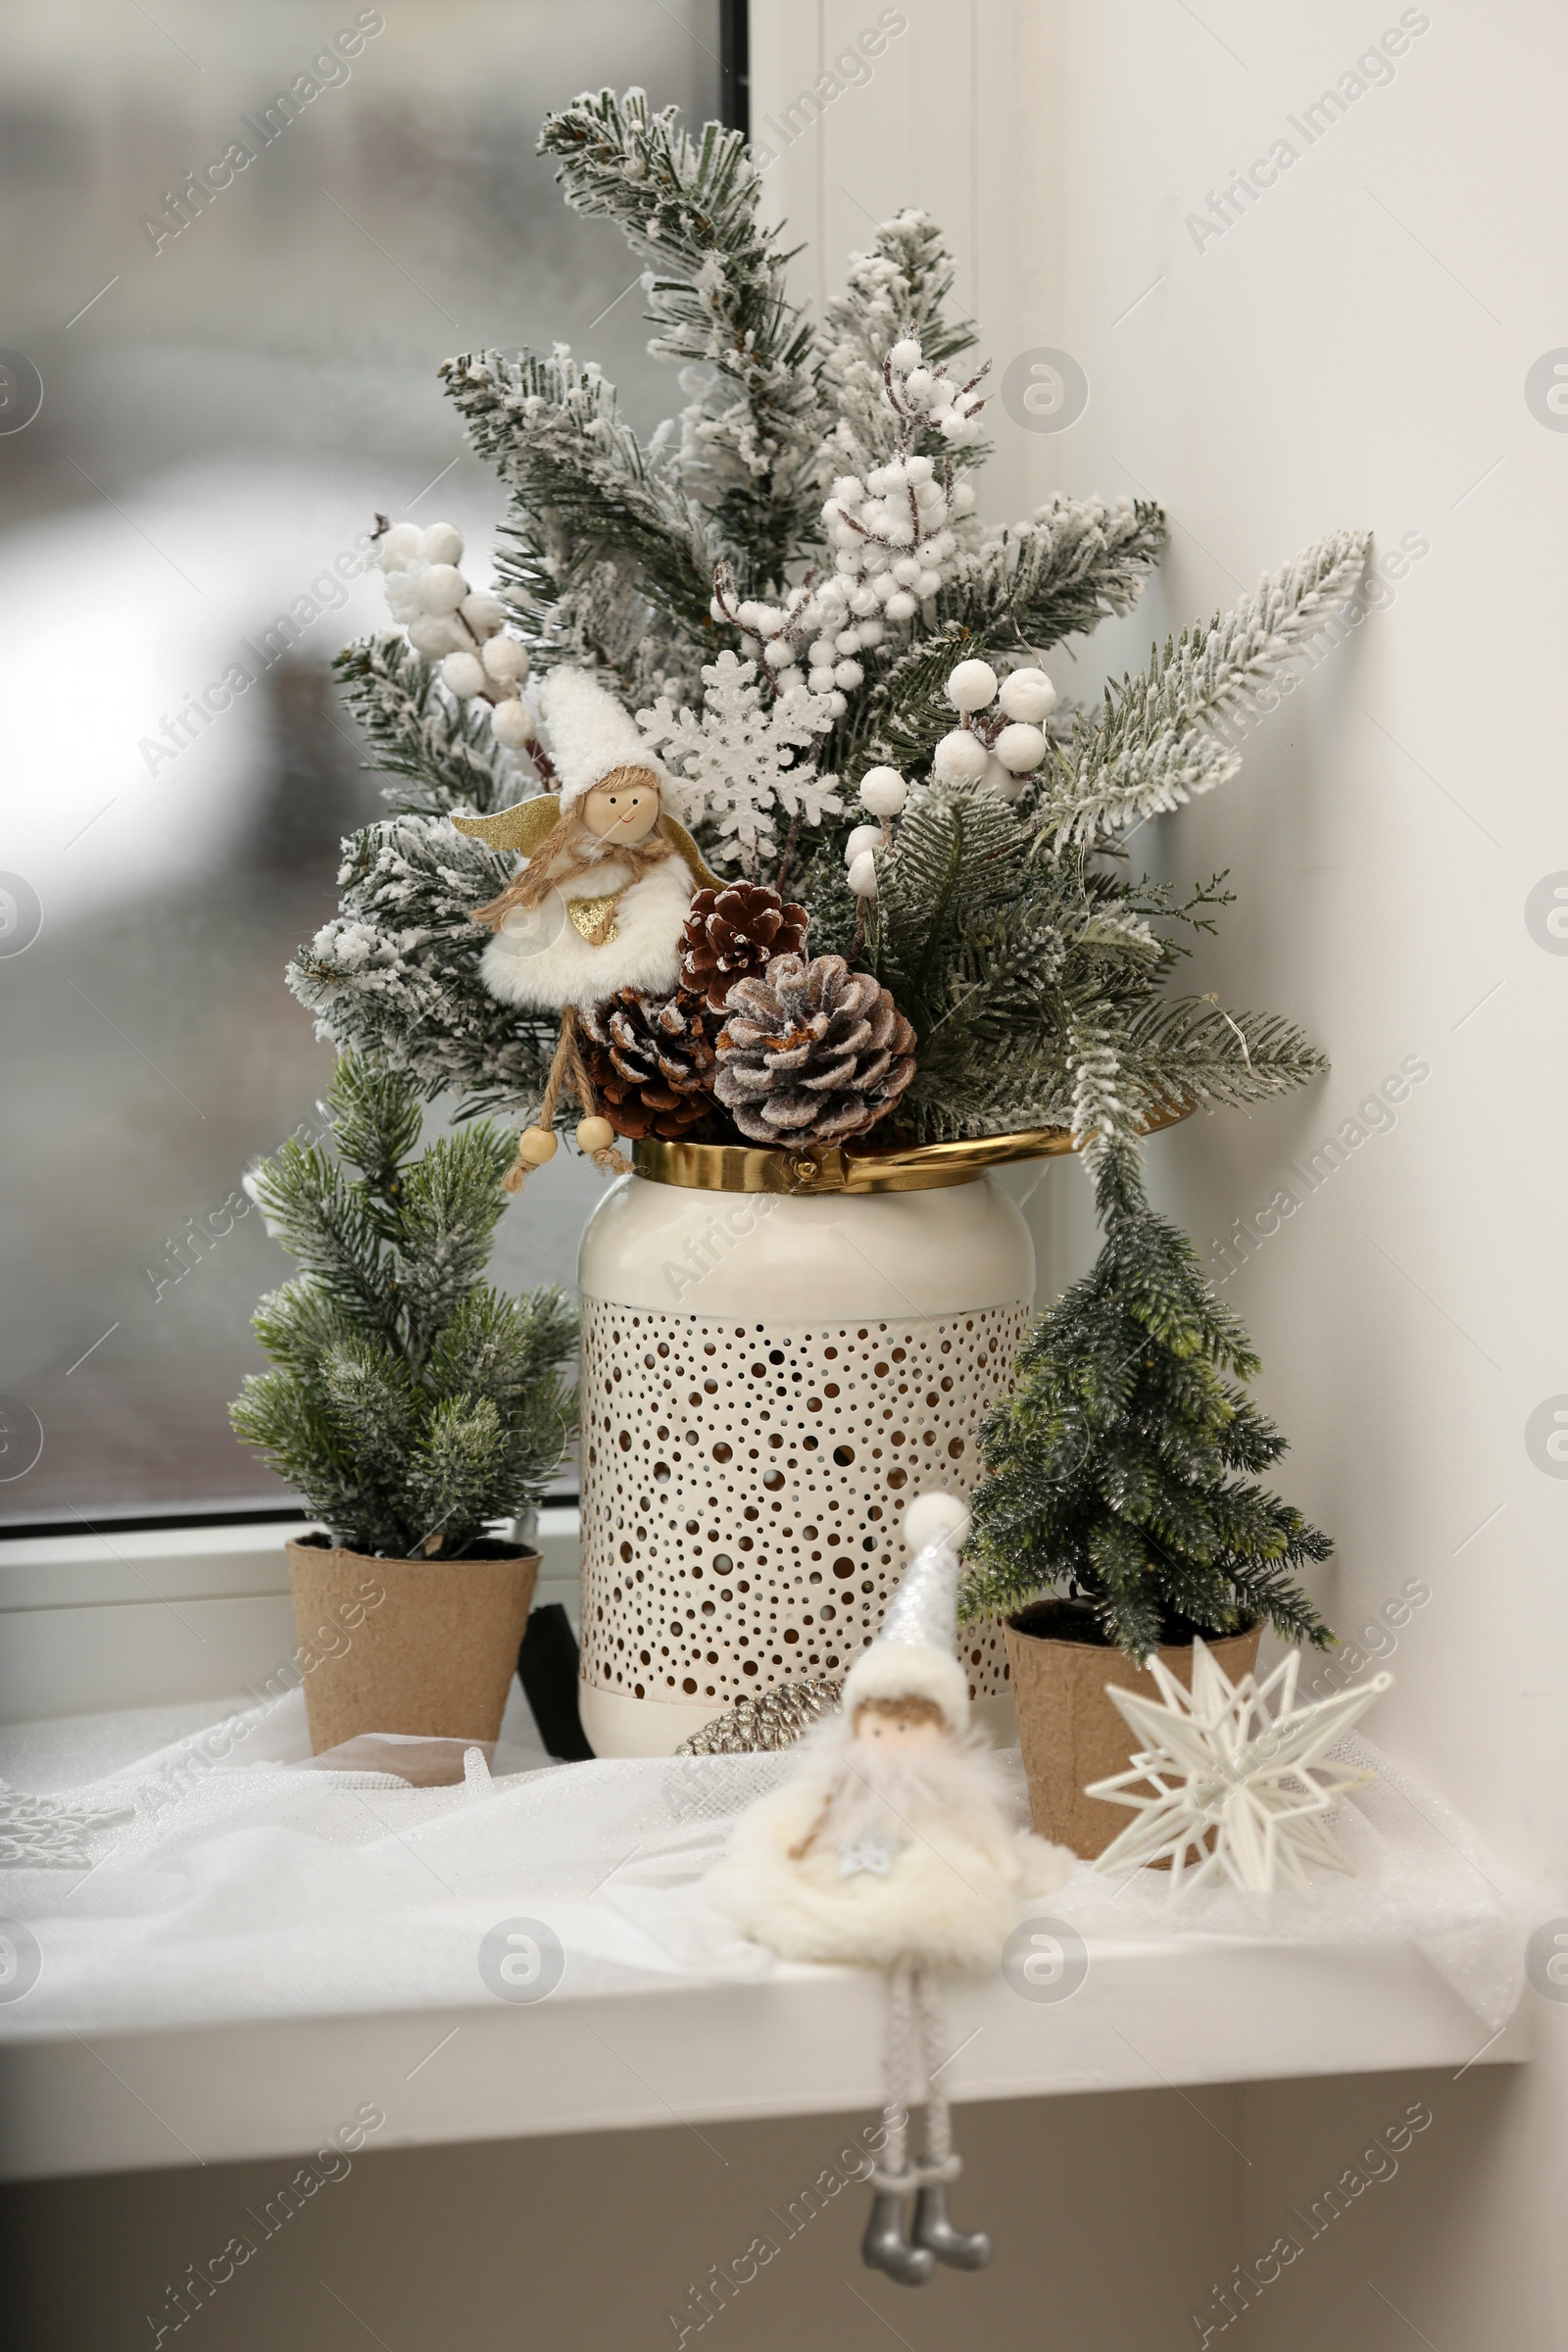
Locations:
column 602, row 899
column 893, row 1845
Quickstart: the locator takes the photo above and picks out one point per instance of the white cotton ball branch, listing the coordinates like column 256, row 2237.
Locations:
column 892, row 533
column 459, row 626
column 883, row 791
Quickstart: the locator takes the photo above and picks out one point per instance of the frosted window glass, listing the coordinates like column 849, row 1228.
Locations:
column 231, row 386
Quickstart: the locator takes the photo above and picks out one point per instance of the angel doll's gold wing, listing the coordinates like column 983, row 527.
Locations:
column 527, row 824
column 521, row 827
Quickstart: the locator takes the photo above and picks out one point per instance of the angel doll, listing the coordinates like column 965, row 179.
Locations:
column 894, row 1847
column 602, row 899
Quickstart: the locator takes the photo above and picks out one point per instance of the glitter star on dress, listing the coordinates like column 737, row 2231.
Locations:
column 875, row 1853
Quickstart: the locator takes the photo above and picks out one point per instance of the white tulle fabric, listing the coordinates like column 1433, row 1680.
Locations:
column 259, row 1881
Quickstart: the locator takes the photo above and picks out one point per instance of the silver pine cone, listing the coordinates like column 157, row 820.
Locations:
column 773, row 1719
column 811, row 1052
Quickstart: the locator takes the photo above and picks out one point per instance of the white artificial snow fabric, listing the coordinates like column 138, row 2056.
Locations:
column 251, row 1880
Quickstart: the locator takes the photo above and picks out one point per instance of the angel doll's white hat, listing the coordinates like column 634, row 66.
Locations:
column 915, row 1653
column 590, row 735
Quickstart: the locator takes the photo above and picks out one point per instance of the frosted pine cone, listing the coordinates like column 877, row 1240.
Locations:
column 734, row 932
column 651, row 1061
column 811, row 1052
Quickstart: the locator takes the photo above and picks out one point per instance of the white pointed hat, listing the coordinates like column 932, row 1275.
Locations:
column 589, row 734
column 915, row 1653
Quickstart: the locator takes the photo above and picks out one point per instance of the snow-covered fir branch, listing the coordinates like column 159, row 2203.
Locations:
column 442, row 748
column 895, row 292
column 394, row 975
column 688, row 207
column 586, row 493
column 1075, row 563
column 1155, row 746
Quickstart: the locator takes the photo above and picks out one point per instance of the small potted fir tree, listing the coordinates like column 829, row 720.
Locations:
column 413, row 1406
column 1118, row 1516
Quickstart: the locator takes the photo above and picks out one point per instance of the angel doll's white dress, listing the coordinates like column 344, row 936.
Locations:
column 613, row 919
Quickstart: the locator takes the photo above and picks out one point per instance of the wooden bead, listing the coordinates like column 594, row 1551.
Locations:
column 594, row 1135
column 536, row 1144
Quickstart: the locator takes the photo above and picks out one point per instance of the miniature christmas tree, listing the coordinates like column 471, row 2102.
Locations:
column 1119, row 1472
column 410, row 1403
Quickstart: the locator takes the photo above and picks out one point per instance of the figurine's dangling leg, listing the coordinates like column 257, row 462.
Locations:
column 595, row 1134
column 961, row 2249
column 537, row 1144
column 885, row 2246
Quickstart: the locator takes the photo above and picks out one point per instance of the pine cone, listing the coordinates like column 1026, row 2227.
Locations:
column 811, row 1052
column 650, row 1060
column 732, row 933
column 774, row 1719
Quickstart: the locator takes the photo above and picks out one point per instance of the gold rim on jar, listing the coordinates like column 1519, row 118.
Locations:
column 842, row 1168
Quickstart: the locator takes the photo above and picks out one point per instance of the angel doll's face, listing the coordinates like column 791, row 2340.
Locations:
column 624, row 808
column 900, row 1727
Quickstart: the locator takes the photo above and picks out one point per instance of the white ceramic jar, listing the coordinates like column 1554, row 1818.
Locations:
column 766, row 1381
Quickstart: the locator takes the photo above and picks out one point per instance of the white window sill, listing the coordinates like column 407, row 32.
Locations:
column 805, row 2042
column 144, row 1620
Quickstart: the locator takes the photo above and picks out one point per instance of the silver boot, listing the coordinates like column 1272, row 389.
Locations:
column 884, row 2247
column 934, row 2233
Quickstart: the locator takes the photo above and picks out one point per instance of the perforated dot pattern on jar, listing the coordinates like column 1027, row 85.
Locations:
column 744, row 1484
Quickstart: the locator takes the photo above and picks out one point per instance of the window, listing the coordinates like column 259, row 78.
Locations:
column 239, row 244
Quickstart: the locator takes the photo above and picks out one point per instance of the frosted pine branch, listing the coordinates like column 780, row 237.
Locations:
column 1190, row 1050
column 1104, row 1110
column 395, row 975
column 585, row 492
column 688, row 207
column 1076, row 562
column 1155, row 746
column 443, row 748
column 896, row 291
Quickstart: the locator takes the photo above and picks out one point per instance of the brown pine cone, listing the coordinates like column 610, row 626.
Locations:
column 811, row 1052
column 650, row 1060
column 732, row 933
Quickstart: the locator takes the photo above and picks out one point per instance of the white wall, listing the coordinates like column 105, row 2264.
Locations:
column 1352, row 349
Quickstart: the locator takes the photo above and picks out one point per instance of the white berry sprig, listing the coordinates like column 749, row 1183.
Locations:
column 1000, row 738
column 883, row 791
column 894, row 533
column 459, row 626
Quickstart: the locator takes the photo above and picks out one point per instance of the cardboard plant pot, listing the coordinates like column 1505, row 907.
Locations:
column 1070, row 1731
column 425, row 1648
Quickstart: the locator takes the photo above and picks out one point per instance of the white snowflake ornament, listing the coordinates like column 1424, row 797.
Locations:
column 1230, row 1783
column 747, row 758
